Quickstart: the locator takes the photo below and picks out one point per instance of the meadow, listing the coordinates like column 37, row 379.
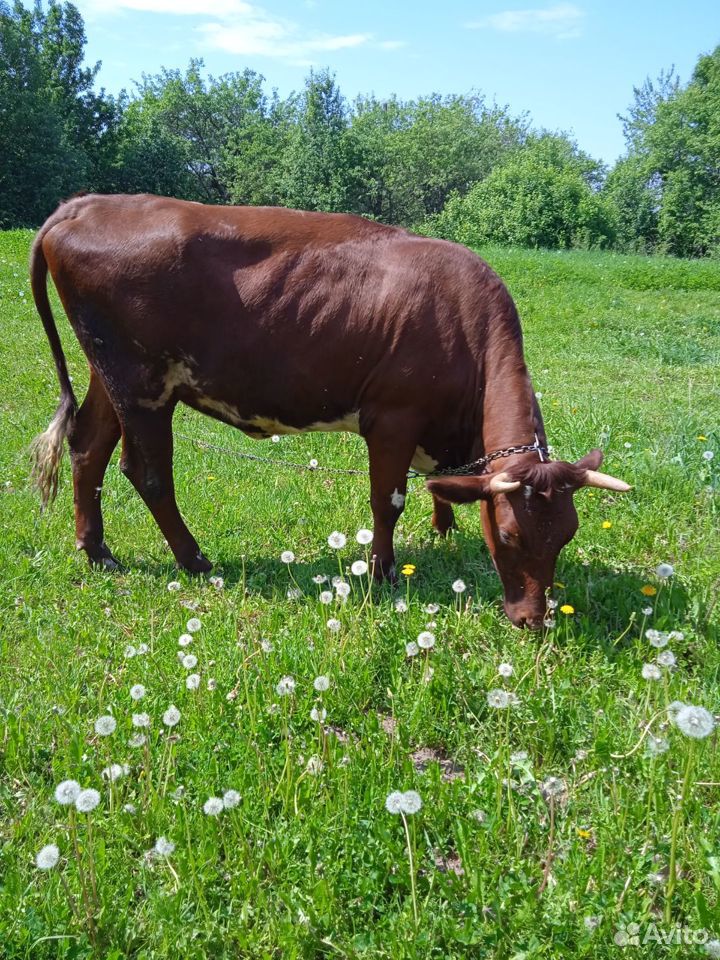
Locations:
column 328, row 786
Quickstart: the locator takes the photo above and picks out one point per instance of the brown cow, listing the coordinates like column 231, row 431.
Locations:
column 279, row 321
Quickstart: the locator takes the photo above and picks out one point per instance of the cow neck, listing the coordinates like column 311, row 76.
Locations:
column 511, row 415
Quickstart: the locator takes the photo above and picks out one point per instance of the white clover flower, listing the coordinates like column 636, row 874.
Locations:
column 359, row 568
column 48, row 857
column 394, row 802
column 342, row 589
column 67, row 792
column 431, row 608
column 313, row 464
column 231, row 798
column 171, row 716
column 400, row 606
column 174, row 586
column 426, row 640
column 137, row 692
column 647, row 611
column 657, row 745
column 314, row 766
column 213, row 806
column 129, row 652
column 185, row 640
column 553, row 787
column 459, row 586
column 664, row 570
column 695, row 722
column 141, row 719
column 334, row 625
column 321, row 683
column 266, row 645
column 326, row 597
column 499, row 699
column 364, row 537
column 666, row 659
column 287, row 556
column 412, row 649
column 708, row 455
column 275, row 438
column 651, row 671
column 285, row 686
column 193, row 625
column 411, row 802
column 337, row 540
column 115, row 772
column 318, row 714
column 192, row 681
column 319, row 578
column 87, row 800
column 137, row 740
column 189, row 661
column 163, row 847
column 505, row 670
column 105, row 725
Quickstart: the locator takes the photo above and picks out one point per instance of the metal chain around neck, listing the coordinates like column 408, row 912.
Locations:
column 480, row 465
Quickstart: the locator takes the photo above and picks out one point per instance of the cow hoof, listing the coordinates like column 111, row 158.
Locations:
column 199, row 564
column 385, row 572
column 102, row 559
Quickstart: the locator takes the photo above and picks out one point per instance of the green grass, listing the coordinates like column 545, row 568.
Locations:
column 625, row 353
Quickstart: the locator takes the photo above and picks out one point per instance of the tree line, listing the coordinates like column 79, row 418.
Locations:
column 451, row 166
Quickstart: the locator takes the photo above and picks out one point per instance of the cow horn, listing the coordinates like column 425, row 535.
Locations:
column 605, row 482
column 500, row 483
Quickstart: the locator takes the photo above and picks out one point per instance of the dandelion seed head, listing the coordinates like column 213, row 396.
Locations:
column 87, row 800
column 266, row 645
column 647, row 611
column 314, row 766
column 217, row 582
column 459, row 586
column 499, row 699
column 326, row 597
column 318, row 714
column 137, row 740
column 666, row 658
column 431, row 608
column 137, row 692
column 656, row 745
column 394, row 802
column 174, row 586
column 676, row 635
column 193, row 625
column 287, row 556
column 294, row 593
column 695, row 722
column 192, row 681
column 105, row 725
column 708, row 455
column 364, row 536
column 400, row 606
column 67, row 791
column 321, row 683
column 334, row 625
column 553, row 787
column 411, row 801
column 171, row 716
column 337, row 540
column 285, row 686
column 129, row 652
column 163, row 847
column 412, row 649
column 359, row 568
column 115, row 771
column 651, row 671
column 185, row 640
column 47, row 857
column 426, row 640
column 189, row 661
column 664, row 570
column 213, row 806
column 141, row 719
column 319, row 578
column 505, row 670
column 674, row 708
column 342, row 589
column 231, row 798
column 657, row 638
column 313, row 464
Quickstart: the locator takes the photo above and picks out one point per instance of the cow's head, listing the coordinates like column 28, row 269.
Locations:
column 528, row 516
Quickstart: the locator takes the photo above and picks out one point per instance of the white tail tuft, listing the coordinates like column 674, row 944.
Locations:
column 47, row 451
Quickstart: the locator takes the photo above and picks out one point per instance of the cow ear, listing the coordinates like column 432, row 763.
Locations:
column 470, row 489
column 460, row 489
column 591, row 461
column 591, row 478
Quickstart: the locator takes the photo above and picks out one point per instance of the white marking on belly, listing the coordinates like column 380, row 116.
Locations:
column 178, row 374
column 397, row 499
column 422, row 461
column 350, row 423
column 223, row 409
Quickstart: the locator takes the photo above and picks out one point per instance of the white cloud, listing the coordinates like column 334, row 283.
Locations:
column 562, row 21
column 238, row 27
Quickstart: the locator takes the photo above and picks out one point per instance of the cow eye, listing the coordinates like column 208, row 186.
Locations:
column 507, row 537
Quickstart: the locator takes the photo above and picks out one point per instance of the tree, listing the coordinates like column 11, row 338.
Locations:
column 544, row 195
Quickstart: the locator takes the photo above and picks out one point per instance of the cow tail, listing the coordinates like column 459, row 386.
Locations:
column 47, row 449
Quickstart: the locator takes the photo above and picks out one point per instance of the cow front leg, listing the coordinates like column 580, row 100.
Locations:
column 92, row 439
column 443, row 518
column 147, row 462
column 391, row 446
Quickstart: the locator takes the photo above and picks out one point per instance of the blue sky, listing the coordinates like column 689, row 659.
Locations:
column 571, row 65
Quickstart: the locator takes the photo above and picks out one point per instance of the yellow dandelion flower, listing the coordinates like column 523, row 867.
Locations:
column 567, row 609
column 583, row 834
column 702, row 439
column 408, row 570
column 648, row 590
column 211, row 477
column 606, row 524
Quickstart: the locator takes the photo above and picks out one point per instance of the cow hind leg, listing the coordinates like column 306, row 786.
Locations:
column 391, row 446
column 92, row 439
column 443, row 518
column 147, row 462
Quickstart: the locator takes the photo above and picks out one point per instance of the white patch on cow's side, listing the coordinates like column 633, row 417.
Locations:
column 224, row 410
column 397, row 499
column 350, row 423
column 178, row 374
column 422, row 461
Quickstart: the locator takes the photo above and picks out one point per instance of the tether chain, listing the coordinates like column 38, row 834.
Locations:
column 464, row 471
